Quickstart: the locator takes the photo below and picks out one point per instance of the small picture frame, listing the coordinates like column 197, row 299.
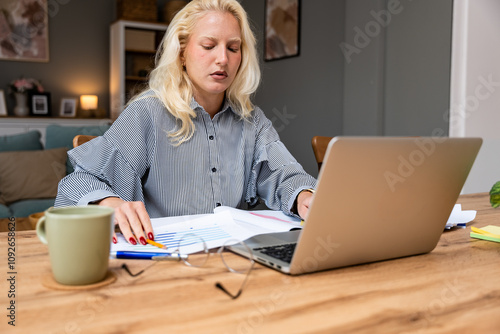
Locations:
column 68, row 107
column 40, row 104
column 3, row 106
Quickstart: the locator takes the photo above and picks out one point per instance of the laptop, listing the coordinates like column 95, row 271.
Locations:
column 377, row 198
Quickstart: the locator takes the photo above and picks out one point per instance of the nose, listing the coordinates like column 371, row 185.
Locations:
column 222, row 57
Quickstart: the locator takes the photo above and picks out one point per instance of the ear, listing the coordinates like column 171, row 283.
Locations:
column 183, row 59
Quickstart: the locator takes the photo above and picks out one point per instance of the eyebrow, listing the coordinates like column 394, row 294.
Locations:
column 231, row 40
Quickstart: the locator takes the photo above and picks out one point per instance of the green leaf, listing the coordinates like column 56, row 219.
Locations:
column 495, row 195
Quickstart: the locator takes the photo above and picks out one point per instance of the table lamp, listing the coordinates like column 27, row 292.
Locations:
column 88, row 105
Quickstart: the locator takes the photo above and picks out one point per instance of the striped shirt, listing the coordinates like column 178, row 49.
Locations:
column 228, row 161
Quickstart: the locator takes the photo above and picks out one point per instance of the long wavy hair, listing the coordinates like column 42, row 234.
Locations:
column 170, row 82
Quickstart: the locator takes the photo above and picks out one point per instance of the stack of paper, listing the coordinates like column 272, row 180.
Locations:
column 490, row 233
column 224, row 225
column 459, row 217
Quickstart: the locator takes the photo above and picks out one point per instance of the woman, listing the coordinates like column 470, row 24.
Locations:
column 193, row 140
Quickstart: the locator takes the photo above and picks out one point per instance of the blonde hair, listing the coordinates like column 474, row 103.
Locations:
column 170, row 82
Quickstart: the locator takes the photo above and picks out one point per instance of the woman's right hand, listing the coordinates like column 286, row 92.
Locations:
column 132, row 218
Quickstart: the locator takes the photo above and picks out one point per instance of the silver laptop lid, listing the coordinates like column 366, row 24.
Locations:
column 382, row 197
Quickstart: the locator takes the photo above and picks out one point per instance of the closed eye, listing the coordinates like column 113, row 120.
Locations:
column 234, row 46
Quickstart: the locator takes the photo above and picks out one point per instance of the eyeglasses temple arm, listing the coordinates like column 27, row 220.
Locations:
column 221, row 287
column 124, row 266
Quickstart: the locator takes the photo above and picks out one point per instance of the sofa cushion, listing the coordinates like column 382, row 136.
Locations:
column 62, row 136
column 25, row 208
column 28, row 141
column 5, row 211
column 31, row 174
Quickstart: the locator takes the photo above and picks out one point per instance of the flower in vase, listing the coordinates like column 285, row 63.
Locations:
column 24, row 85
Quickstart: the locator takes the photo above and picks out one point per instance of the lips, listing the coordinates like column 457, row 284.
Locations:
column 219, row 75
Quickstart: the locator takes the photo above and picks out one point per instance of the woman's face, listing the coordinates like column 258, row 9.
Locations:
column 213, row 55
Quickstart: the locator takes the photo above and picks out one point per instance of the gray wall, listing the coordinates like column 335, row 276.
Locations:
column 303, row 95
column 363, row 70
column 397, row 70
column 417, row 69
column 79, row 53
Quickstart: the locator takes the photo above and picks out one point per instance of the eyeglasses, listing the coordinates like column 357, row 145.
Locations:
column 195, row 245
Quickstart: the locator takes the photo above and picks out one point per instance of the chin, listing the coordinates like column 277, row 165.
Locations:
column 217, row 90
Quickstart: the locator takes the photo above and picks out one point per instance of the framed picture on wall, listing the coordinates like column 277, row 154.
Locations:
column 24, row 30
column 40, row 104
column 3, row 106
column 282, row 29
column 68, row 107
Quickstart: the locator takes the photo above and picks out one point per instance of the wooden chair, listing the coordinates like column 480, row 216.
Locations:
column 81, row 139
column 319, row 145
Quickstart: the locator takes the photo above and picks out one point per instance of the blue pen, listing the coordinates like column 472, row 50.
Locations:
column 148, row 256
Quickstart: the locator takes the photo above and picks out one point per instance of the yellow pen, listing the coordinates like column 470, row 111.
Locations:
column 157, row 244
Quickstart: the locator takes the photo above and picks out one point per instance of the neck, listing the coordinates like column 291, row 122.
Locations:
column 211, row 104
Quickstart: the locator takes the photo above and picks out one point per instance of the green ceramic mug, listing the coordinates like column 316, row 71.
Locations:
column 79, row 239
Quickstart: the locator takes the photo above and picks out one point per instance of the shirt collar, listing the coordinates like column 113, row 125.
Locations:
column 196, row 106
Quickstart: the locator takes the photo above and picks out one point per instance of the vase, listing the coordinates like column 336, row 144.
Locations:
column 21, row 108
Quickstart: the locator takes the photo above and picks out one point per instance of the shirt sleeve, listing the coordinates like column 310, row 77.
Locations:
column 276, row 176
column 113, row 164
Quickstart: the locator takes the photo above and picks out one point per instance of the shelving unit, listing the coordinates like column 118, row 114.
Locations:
column 133, row 47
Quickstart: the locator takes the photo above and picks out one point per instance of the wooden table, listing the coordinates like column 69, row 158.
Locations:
column 22, row 224
column 453, row 289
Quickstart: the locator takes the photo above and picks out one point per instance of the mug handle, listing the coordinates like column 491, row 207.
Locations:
column 40, row 230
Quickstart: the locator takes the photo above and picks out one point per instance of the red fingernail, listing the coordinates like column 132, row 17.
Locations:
column 143, row 241
column 151, row 236
column 132, row 241
column 114, row 240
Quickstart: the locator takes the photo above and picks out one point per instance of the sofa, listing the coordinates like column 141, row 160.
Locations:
column 30, row 171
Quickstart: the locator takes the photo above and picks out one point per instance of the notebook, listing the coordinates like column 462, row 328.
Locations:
column 377, row 198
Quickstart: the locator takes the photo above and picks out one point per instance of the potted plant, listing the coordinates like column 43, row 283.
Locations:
column 495, row 195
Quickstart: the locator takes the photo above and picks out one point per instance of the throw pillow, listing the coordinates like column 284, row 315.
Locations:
column 62, row 136
column 31, row 174
column 27, row 141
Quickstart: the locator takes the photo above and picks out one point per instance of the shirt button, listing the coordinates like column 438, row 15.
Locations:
column 214, row 169
column 218, row 204
column 211, row 137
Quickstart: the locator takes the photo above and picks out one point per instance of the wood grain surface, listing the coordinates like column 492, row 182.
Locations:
column 453, row 289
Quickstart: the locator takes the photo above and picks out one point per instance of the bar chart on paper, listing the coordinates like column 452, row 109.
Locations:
column 214, row 230
column 193, row 239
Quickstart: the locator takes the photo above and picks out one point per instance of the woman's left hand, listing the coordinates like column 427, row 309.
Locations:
column 303, row 203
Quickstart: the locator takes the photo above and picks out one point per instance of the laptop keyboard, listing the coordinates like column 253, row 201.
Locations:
column 280, row 252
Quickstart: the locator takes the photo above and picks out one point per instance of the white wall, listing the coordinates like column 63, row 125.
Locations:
column 475, row 86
